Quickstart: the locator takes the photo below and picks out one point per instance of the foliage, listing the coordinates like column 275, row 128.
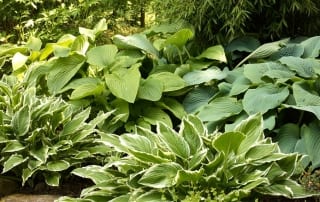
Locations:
column 222, row 21
column 44, row 135
column 190, row 164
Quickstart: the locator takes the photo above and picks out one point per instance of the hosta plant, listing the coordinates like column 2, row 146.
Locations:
column 44, row 135
column 193, row 165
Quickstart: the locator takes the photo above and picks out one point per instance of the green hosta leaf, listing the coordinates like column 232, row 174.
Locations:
column 252, row 128
column 173, row 141
column 87, row 89
column 26, row 174
column 173, row 106
column 219, row 109
column 121, row 108
column 264, row 51
column 61, row 51
column 197, row 97
column 34, row 44
column 311, row 47
column 124, row 83
column 57, row 166
column 214, row 53
column 287, row 137
column 95, row 173
column 180, row 38
column 295, row 50
column 12, row 162
column 150, row 89
column 21, row 121
column 135, row 41
column 228, row 142
column 160, row 175
column 197, row 159
column 198, row 76
column 13, row 146
column 260, row 151
column 52, row 178
column 80, row 45
column 170, row 81
column 18, row 61
column 154, row 114
column 102, row 56
column 304, row 67
column 264, row 98
column 311, row 138
column 243, row 44
column 40, row 154
column 305, row 95
column 63, row 70
column 190, row 133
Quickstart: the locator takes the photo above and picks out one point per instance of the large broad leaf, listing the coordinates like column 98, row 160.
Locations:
column 245, row 44
column 197, row 97
column 150, row 89
column 173, row 106
column 137, row 142
column 154, row 114
column 102, row 55
column 214, row 53
column 18, row 61
column 180, row 38
column 287, row 137
column 311, row 47
column 219, row 109
column 21, row 121
column 198, row 76
column 305, row 95
column 63, row 70
column 135, row 41
column 311, row 138
column 264, row 51
column 295, row 50
column 80, row 45
column 260, row 151
column 34, row 43
column 85, row 87
column 124, row 83
column 173, row 141
column 304, row 67
column 313, row 109
column 170, row 81
column 228, row 142
column 264, row 98
column 12, row 162
column 160, row 175
column 13, row 146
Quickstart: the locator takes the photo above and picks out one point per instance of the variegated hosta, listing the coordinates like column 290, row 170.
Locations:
column 44, row 135
column 192, row 165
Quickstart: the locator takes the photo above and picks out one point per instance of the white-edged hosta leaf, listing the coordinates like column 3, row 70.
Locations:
column 40, row 154
column 13, row 146
column 26, row 174
column 102, row 56
column 264, row 51
column 311, row 47
column 21, row 121
column 197, row 97
column 189, row 176
column 287, row 137
column 173, row 141
column 150, row 89
column 170, row 81
column 214, row 53
column 252, row 128
column 303, row 67
column 150, row 196
column 190, row 133
column 12, row 162
column 62, row 71
column 18, row 61
column 260, row 151
column 137, row 142
column 76, row 123
column 264, row 98
column 202, row 76
column 95, row 173
column 124, row 83
column 58, row 165
column 197, row 159
column 135, row 41
column 52, row 178
column 228, row 143
column 219, row 109
column 304, row 94
column 173, row 106
column 160, row 175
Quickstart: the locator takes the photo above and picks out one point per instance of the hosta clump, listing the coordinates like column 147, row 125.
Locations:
column 44, row 135
column 193, row 165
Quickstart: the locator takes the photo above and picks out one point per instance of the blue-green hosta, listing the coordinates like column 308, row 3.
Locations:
column 44, row 135
column 192, row 165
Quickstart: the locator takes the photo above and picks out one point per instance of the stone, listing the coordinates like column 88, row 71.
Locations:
column 29, row 198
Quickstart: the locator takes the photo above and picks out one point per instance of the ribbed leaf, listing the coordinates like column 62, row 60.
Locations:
column 311, row 138
column 311, row 47
column 198, row 76
column 304, row 94
column 170, row 81
column 219, row 109
column 80, row 45
column 246, row 44
column 180, row 38
column 288, row 137
column 214, row 53
column 197, row 97
column 173, row 106
column 228, row 142
column 150, row 89
column 154, row 114
column 295, row 50
column 102, row 56
column 124, row 83
column 264, row 98
column 304, row 67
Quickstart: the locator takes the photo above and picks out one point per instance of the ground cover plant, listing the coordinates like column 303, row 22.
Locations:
column 117, row 114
